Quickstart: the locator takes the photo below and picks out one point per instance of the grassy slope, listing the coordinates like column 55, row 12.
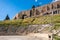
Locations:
column 56, row 37
column 55, row 19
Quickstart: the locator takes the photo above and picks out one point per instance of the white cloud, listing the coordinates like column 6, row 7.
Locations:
column 36, row 0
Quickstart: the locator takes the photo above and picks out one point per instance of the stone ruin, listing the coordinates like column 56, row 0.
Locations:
column 53, row 8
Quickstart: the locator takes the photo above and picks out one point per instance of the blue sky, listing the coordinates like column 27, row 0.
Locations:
column 12, row 7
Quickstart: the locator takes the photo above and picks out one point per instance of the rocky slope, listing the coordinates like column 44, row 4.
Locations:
column 41, row 24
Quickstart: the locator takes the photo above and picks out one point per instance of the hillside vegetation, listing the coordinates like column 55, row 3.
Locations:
column 48, row 19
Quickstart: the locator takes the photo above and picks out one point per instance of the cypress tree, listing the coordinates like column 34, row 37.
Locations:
column 33, row 6
column 7, row 18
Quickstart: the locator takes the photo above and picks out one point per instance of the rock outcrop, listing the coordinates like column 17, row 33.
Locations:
column 12, row 30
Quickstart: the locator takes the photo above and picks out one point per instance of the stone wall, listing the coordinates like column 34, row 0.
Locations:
column 53, row 8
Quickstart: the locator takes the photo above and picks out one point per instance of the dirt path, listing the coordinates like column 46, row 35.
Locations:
column 19, row 38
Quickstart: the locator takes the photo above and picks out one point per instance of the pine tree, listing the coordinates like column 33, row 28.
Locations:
column 7, row 18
